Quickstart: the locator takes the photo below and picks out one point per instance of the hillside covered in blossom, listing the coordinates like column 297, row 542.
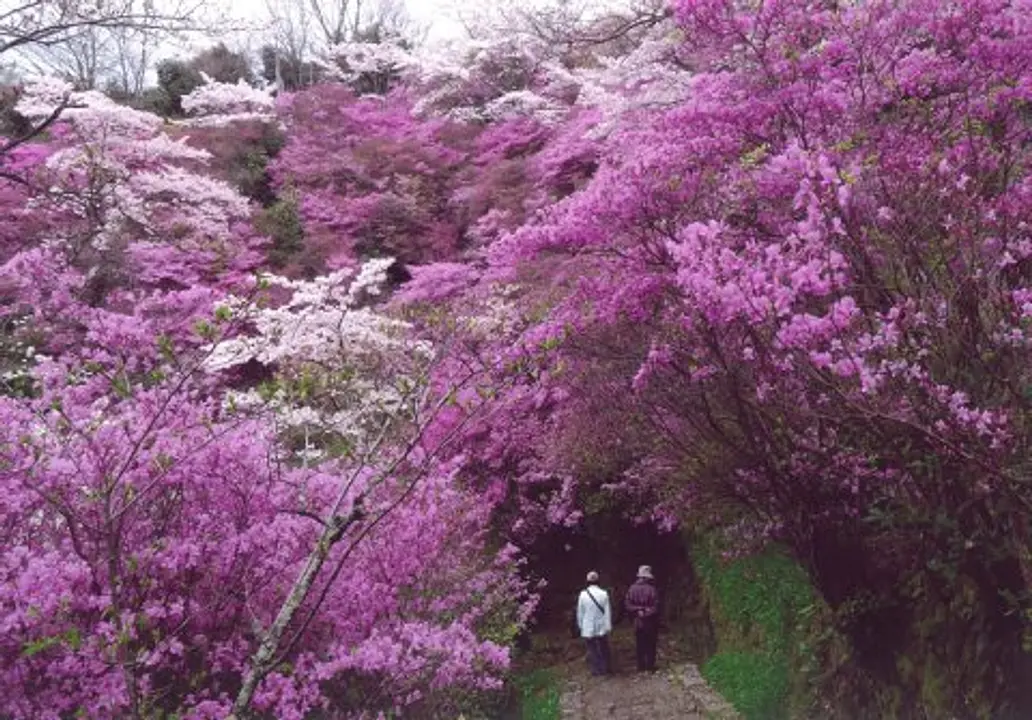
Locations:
column 304, row 391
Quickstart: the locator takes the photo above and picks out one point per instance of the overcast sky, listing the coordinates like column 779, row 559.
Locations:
column 440, row 17
column 436, row 15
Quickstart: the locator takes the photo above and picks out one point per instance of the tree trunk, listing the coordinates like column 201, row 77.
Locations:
column 261, row 662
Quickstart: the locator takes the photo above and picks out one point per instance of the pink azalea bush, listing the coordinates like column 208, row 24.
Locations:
column 153, row 527
column 146, row 540
column 805, row 283
column 372, row 180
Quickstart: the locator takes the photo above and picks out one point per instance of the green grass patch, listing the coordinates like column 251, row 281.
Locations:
column 763, row 609
column 539, row 694
column 755, row 683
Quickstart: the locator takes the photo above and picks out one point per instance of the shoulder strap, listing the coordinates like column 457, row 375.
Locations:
column 600, row 608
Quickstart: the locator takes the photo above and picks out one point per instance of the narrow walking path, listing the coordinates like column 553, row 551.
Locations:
column 675, row 693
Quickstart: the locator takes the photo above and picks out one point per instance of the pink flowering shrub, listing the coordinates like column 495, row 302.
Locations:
column 146, row 539
column 369, row 178
column 153, row 528
column 372, row 180
column 107, row 205
column 797, row 296
column 151, row 531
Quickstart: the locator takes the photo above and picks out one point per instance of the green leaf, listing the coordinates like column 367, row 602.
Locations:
column 120, row 384
column 204, row 329
column 223, row 313
column 73, row 639
column 755, row 156
column 34, row 648
column 166, row 348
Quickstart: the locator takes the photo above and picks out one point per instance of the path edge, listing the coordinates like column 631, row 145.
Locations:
column 709, row 702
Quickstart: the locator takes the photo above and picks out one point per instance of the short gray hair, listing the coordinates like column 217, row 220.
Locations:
column 592, row 576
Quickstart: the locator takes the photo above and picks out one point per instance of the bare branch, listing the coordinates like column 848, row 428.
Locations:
column 34, row 132
column 48, row 25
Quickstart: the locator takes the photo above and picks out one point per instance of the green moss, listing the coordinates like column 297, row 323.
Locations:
column 763, row 609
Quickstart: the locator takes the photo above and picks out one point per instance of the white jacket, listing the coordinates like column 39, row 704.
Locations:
column 592, row 621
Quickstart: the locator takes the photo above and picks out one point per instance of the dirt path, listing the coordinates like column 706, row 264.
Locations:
column 675, row 692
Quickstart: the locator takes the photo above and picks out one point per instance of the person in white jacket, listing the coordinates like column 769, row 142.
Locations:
column 595, row 620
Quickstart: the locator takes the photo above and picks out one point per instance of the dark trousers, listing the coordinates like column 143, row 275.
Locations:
column 598, row 655
column 646, row 635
